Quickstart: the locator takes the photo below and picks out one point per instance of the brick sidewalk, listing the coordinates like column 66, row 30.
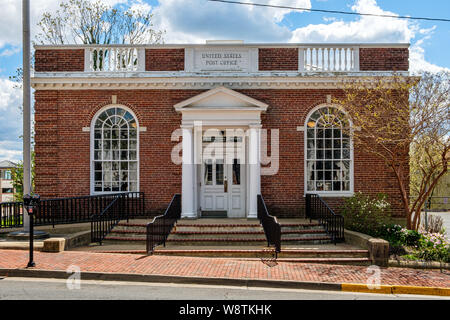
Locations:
column 232, row 268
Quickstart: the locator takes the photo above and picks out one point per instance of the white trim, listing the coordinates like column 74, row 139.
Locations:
column 348, row 193
column 91, row 147
column 251, row 45
column 184, row 81
column 246, row 99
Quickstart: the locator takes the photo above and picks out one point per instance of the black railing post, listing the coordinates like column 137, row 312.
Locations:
column 308, row 206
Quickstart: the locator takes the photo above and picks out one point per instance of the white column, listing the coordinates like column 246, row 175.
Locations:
column 188, row 179
column 259, row 161
column 253, row 165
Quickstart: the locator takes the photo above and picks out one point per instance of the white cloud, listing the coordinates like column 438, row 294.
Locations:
column 11, row 150
column 9, row 51
column 368, row 29
column 11, row 120
column 191, row 21
column 363, row 29
column 11, row 20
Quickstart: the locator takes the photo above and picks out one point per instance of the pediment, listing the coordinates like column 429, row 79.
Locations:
column 221, row 98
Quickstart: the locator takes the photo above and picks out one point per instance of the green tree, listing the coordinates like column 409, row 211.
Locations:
column 93, row 22
column 17, row 177
column 397, row 117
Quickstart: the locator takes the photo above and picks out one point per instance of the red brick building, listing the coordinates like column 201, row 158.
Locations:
column 248, row 117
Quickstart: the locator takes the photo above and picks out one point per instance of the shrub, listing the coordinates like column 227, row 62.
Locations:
column 434, row 247
column 366, row 214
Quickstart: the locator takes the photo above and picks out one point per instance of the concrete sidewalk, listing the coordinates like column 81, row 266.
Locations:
column 227, row 271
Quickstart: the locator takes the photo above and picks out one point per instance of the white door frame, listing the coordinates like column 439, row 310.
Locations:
column 214, row 197
column 219, row 108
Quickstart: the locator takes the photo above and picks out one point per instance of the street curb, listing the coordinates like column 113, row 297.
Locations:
column 253, row 283
column 132, row 277
column 396, row 289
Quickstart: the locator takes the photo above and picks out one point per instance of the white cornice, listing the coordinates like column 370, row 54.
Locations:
column 62, row 81
column 244, row 45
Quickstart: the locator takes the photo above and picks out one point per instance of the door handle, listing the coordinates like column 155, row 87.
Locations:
column 225, row 185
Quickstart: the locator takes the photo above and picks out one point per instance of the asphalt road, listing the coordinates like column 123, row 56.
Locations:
column 48, row 289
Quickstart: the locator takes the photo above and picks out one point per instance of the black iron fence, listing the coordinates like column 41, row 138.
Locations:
column 438, row 204
column 11, row 214
column 159, row 229
column 71, row 209
column 272, row 228
column 332, row 222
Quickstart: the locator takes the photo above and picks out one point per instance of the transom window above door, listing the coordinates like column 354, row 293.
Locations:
column 328, row 151
column 115, row 151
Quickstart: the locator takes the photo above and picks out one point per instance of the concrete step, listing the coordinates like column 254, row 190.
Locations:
column 232, row 240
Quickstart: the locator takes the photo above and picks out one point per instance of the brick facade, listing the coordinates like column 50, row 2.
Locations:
column 270, row 59
column 164, row 59
column 59, row 60
column 63, row 148
column 383, row 59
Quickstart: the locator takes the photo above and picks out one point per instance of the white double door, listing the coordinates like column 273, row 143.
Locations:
column 223, row 187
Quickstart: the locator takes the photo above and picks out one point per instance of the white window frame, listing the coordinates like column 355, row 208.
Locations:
column 347, row 193
column 92, row 148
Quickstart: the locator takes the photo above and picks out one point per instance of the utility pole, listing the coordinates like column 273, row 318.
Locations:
column 26, row 106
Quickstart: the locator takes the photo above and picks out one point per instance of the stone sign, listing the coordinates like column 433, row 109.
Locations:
column 221, row 60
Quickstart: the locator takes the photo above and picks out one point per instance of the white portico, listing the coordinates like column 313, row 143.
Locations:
column 221, row 153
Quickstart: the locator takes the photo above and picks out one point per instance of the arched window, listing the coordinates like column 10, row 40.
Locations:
column 115, row 151
column 329, row 156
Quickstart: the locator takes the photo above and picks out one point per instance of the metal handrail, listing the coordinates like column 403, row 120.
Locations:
column 159, row 229
column 11, row 214
column 120, row 207
column 70, row 209
column 333, row 223
column 272, row 229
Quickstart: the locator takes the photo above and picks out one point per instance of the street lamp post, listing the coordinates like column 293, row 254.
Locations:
column 31, row 203
column 26, row 107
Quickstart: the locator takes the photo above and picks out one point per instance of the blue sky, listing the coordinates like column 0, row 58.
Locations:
column 188, row 21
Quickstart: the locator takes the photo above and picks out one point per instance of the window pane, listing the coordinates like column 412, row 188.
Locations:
column 319, row 165
column 336, row 143
column 219, row 172
column 236, row 172
column 337, row 133
column 133, row 165
column 208, row 173
column 346, row 186
column 336, row 186
column 345, row 154
column 328, row 139
column 111, row 171
column 320, row 144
